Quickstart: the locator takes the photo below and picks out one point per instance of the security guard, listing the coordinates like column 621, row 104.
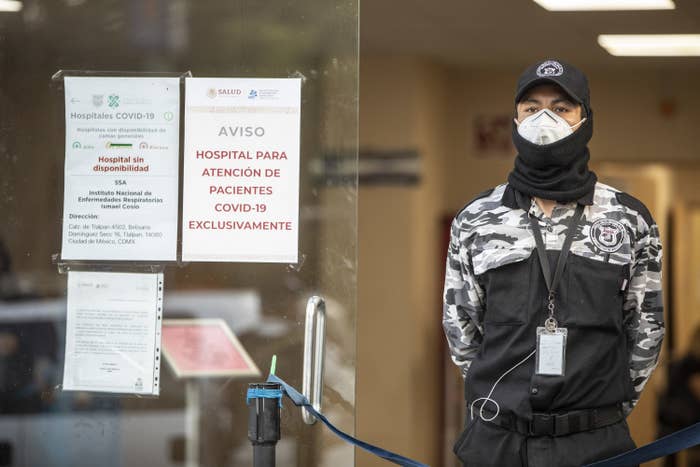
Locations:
column 552, row 305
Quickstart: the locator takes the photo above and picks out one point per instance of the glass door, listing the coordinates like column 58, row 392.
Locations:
column 194, row 421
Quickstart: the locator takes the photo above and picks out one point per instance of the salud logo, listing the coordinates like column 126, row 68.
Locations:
column 229, row 92
column 211, row 93
column 607, row 234
column 113, row 100
column 98, row 99
column 550, row 68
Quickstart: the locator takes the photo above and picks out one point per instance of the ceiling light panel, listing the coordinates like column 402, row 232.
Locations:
column 10, row 5
column 651, row 45
column 605, row 5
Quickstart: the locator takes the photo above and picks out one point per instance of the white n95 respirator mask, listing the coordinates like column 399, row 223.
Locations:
column 545, row 127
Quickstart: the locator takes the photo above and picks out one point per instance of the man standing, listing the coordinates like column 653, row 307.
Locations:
column 552, row 305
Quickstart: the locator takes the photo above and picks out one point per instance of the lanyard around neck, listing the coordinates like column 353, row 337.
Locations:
column 553, row 282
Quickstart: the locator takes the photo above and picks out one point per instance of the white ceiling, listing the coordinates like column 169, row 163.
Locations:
column 508, row 33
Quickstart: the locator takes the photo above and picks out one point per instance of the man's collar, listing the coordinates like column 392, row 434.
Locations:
column 514, row 199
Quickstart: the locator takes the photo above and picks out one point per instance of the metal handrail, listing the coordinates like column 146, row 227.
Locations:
column 314, row 353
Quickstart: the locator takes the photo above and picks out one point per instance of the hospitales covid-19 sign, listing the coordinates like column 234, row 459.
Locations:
column 121, row 168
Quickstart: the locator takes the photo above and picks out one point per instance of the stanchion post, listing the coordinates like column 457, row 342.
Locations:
column 264, row 402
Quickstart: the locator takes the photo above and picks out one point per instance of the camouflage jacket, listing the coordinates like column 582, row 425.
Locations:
column 493, row 232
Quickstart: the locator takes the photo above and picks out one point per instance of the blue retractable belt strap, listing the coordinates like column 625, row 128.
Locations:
column 302, row 401
column 683, row 439
column 256, row 393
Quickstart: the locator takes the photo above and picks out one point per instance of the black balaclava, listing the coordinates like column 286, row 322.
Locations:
column 557, row 171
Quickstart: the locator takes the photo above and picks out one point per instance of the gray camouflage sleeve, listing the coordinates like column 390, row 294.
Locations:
column 462, row 303
column 643, row 308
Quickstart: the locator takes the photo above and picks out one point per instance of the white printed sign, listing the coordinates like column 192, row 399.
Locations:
column 241, row 170
column 113, row 332
column 121, row 171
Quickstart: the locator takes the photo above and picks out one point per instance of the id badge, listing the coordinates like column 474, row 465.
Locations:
column 551, row 351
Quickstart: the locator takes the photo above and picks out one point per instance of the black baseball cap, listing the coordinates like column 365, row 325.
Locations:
column 571, row 79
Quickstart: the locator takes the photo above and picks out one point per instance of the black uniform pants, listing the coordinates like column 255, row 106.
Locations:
column 484, row 444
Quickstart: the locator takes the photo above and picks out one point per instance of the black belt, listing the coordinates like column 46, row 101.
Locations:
column 559, row 424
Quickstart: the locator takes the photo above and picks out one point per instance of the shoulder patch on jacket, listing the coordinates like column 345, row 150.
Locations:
column 483, row 194
column 633, row 203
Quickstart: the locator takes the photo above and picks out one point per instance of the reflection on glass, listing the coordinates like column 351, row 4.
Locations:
column 202, row 421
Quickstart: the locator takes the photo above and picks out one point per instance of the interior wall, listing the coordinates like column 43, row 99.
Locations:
column 643, row 140
column 686, row 254
column 399, row 332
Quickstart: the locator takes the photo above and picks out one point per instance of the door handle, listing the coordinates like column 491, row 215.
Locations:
column 314, row 352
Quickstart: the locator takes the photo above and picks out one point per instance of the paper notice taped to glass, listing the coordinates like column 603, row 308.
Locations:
column 121, row 168
column 240, row 198
column 113, row 332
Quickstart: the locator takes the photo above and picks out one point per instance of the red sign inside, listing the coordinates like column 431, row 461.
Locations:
column 205, row 348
